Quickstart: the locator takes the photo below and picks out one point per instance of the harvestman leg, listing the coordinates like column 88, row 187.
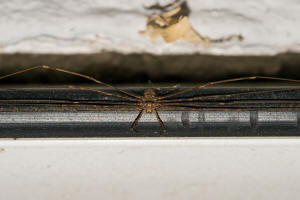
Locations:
column 227, row 81
column 162, row 126
column 133, row 125
column 131, row 97
column 178, row 100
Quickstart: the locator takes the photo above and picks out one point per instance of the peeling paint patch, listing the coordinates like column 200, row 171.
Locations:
column 172, row 24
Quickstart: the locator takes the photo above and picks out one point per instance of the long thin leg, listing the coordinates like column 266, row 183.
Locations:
column 92, row 79
column 233, row 102
column 73, row 73
column 227, row 81
column 103, row 92
column 223, row 95
column 161, row 123
column 108, row 107
column 133, row 125
column 65, row 102
column 277, row 108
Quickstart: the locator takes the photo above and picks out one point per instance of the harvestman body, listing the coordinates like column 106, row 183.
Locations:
column 150, row 102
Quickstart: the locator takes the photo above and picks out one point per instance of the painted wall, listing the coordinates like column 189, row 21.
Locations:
column 92, row 26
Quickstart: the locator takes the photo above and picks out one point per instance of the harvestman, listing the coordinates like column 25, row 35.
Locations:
column 150, row 102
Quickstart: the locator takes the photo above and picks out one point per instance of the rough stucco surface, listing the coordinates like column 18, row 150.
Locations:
column 91, row 26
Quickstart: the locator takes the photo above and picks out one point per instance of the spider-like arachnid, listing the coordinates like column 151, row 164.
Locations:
column 150, row 102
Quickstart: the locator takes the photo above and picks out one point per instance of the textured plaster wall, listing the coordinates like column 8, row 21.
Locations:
column 91, row 26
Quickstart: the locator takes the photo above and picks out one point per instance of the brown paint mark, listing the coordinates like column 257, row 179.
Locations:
column 172, row 24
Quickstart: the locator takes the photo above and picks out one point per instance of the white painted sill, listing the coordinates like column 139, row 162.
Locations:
column 144, row 168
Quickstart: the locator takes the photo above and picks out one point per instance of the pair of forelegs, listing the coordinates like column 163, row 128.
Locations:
column 134, row 124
